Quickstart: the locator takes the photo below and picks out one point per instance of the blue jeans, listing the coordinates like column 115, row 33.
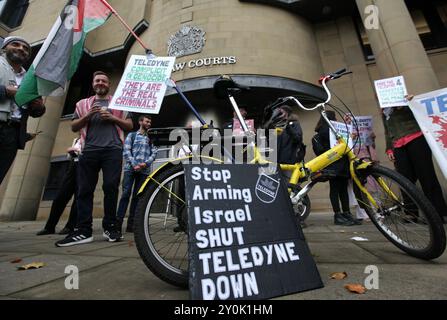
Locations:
column 135, row 180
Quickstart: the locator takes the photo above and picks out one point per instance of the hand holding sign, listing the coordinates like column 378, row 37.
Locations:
column 143, row 84
column 430, row 111
column 391, row 92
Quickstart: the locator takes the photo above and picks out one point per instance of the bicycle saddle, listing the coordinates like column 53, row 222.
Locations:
column 225, row 84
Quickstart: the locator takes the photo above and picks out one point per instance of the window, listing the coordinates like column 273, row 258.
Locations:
column 12, row 12
column 364, row 41
column 430, row 20
column 423, row 29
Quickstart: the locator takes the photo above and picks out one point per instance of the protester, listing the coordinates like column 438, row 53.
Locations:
column 229, row 124
column 233, row 130
column 290, row 147
column 65, row 193
column 338, row 172
column 364, row 150
column 102, row 140
column 407, row 148
column 139, row 153
column 16, row 51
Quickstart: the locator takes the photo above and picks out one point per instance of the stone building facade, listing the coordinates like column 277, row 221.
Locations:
column 276, row 47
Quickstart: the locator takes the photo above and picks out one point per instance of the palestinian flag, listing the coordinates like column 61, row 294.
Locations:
column 58, row 59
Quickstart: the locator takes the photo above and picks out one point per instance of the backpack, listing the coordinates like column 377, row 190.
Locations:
column 301, row 152
column 317, row 146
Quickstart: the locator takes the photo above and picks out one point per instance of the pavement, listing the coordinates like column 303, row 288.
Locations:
column 115, row 270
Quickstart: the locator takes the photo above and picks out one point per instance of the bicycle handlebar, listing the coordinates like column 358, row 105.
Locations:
column 331, row 76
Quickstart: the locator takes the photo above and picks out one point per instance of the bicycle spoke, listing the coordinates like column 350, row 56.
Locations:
column 397, row 214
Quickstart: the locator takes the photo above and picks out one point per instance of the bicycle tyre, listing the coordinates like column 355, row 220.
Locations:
column 145, row 243
column 437, row 239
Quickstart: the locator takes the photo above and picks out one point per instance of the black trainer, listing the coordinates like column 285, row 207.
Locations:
column 44, row 232
column 348, row 216
column 340, row 220
column 111, row 235
column 74, row 238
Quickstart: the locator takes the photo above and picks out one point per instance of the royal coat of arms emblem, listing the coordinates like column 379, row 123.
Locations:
column 188, row 40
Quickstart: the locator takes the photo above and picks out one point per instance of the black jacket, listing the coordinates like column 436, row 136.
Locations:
column 339, row 168
column 289, row 142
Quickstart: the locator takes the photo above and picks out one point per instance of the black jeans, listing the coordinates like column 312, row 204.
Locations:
column 339, row 191
column 414, row 161
column 9, row 135
column 90, row 163
column 65, row 193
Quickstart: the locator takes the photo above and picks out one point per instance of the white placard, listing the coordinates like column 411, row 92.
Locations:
column 143, row 84
column 344, row 130
column 391, row 92
column 430, row 111
column 365, row 127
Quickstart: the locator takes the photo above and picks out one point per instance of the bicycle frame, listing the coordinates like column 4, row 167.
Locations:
column 299, row 171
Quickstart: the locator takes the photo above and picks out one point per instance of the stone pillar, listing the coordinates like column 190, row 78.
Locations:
column 27, row 177
column 397, row 46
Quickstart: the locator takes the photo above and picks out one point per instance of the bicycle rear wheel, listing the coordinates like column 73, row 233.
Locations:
column 404, row 215
column 160, row 227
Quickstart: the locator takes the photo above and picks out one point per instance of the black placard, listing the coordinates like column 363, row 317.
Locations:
column 244, row 240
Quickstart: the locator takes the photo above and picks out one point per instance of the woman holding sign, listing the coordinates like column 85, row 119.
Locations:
column 339, row 172
column 412, row 157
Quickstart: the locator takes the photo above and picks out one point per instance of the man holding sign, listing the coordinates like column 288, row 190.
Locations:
column 102, row 136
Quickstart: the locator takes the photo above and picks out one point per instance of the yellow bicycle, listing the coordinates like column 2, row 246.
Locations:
column 395, row 205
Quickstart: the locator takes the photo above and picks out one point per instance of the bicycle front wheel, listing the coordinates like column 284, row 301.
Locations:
column 402, row 213
column 160, row 227
column 302, row 209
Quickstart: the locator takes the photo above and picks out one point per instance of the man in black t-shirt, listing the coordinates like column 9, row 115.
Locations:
column 102, row 149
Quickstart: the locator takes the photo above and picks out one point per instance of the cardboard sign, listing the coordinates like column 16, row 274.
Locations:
column 143, row 85
column 237, row 127
column 244, row 240
column 391, row 92
column 430, row 111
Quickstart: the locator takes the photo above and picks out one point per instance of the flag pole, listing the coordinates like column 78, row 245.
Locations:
column 126, row 25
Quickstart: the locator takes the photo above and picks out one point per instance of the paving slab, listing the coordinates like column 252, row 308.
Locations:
column 341, row 252
column 125, row 248
column 46, row 245
column 395, row 282
column 11, row 256
column 13, row 280
column 115, row 271
column 344, row 236
column 391, row 254
column 121, row 280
